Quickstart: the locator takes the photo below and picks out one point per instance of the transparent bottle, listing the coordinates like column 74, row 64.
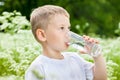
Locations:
column 79, row 43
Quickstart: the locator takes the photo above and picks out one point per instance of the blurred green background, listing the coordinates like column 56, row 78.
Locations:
column 101, row 17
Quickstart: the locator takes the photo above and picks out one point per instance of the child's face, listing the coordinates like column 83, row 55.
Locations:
column 57, row 36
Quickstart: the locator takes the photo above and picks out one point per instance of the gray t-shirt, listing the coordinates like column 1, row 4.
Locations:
column 72, row 67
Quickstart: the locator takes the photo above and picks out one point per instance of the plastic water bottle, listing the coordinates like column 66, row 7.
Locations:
column 79, row 43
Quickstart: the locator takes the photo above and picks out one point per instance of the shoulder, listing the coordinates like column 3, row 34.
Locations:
column 35, row 68
column 38, row 62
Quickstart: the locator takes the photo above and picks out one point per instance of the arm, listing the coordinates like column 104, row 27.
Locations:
column 99, row 70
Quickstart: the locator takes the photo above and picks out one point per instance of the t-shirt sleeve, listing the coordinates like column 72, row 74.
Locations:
column 34, row 73
column 87, row 66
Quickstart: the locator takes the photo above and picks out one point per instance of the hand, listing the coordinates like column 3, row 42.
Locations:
column 89, row 43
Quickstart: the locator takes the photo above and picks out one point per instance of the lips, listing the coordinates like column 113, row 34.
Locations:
column 67, row 43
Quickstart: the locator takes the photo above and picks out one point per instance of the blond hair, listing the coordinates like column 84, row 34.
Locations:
column 40, row 17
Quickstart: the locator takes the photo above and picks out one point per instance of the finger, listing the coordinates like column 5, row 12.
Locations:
column 83, row 51
column 91, row 40
column 95, row 41
column 86, row 37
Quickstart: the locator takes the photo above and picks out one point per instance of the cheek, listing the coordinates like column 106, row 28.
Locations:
column 53, row 42
column 52, row 38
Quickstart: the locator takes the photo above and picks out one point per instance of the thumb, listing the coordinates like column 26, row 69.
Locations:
column 83, row 51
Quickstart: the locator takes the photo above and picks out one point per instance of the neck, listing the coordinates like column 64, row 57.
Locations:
column 52, row 53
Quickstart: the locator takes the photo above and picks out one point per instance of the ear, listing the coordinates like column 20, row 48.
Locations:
column 40, row 35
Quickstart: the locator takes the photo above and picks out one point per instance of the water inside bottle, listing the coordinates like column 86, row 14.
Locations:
column 77, row 41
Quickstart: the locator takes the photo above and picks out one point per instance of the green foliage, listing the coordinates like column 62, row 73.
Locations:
column 117, row 31
column 111, row 70
column 11, row 77
column 101, row 15
column 12, row 22
column 112, row 52
column 16, row 58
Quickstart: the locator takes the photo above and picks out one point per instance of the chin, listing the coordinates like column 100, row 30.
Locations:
column 64, row 48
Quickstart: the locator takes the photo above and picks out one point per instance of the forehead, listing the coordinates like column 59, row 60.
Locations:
column 60, row 20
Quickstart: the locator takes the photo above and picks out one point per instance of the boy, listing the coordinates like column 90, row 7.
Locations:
column 50, row 27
